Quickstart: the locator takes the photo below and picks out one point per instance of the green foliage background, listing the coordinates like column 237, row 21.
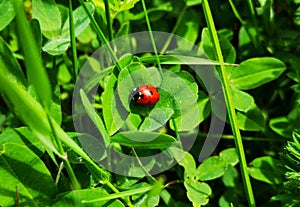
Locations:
column 44, row 43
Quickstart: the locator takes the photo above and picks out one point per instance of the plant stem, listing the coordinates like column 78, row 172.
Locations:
column 152, row 38
column 73, row 42
column 236, row 13
column 108, row 20
column 101, row 35
column 178, row 22
column 247, row 27
column 252, row 13
column 67, row 164
column 246, row 138
column 230, row 106
column 142, row 166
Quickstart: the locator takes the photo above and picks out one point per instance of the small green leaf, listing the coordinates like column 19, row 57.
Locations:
column 49, row 17
column 255, row 72
column 211, row 168
column 197, row 192
column 281, row 126
column 242, row 101
column 184, row 93
column 132, row 122
column 228, row 50
column 203, row 106
column 87, row 36
column 152, row 197
column 57, row 46
column 215, row 166
column 266, row 169
column 7, row 13
column 156, row 119
column 117, row 6
column 229, row 156
column 81, row 20
column 21, row 168
column 230, row 177
column 148, row 140
column 252, row 120
column 185, row 160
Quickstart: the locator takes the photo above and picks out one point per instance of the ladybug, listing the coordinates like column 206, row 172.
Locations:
column 145, row 95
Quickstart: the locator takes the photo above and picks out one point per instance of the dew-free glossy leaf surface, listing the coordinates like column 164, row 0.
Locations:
column 255, row 72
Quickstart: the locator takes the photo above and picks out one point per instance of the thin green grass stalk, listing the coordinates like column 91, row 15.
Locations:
column 101, row 35
column 244, row 23
column 121, row 194
column 58, row 143
column 152, row 38
column 73, row 42
column 66, row 162
column 252, row 14
column 165, row 195
column 236, row 12
column 142, row 166
column 61, row 166
column 246, row 138
column 108, row 20
column 178, row 22
column 230, row 105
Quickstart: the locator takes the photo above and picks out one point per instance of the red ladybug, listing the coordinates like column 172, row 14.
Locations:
column 145, row 95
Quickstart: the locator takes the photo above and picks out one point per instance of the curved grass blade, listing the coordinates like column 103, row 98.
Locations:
column 182, row 60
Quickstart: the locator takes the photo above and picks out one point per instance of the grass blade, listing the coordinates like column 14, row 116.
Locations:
column 73, row 41
column 37, row 74
column 151, row 37
column 230, row 105
column 120, row 194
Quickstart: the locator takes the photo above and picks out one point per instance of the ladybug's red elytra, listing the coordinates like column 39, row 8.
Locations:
column 145, row 95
